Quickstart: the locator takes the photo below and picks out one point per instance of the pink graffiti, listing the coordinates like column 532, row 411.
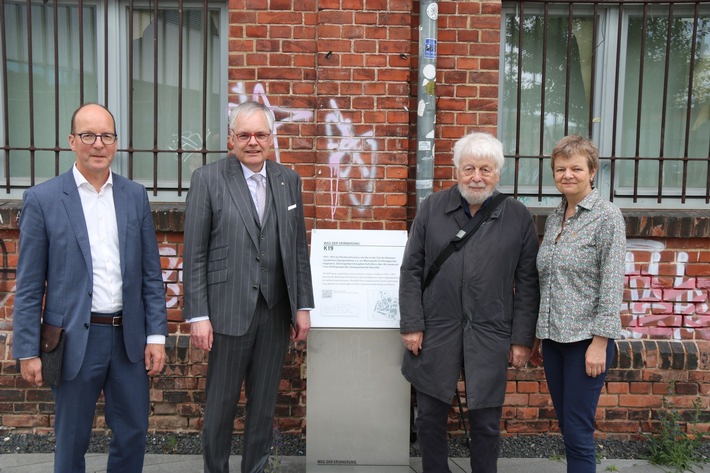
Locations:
column 658, row 310
column 345, row 156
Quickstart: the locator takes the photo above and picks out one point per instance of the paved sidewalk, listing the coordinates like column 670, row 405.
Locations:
column 96, row 463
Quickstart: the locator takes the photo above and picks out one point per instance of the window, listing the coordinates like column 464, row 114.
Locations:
column 635, row 78
column 162, row 74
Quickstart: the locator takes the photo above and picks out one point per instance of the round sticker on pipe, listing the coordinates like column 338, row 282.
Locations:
column 432, row 11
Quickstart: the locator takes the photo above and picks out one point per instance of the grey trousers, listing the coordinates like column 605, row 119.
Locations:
column 254, row 359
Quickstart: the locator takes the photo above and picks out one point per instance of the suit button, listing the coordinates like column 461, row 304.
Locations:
column 255, row 287
column 86, row 326
column 258, row 259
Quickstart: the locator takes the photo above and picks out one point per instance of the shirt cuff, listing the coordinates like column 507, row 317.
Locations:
column 156, row 339
column 197, row 319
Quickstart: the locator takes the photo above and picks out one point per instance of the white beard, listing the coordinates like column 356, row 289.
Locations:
column 475, row 196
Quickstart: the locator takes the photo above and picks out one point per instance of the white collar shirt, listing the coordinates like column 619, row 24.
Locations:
column 248, row 173
column 101, row 225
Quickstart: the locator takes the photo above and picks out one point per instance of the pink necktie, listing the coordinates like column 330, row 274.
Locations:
column 260, row 196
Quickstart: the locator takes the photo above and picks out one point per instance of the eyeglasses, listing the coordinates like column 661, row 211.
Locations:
column 246, row 137
column 90, row 138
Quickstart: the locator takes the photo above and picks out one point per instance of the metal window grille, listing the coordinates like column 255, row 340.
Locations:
column 73, row 48
column 664, row 33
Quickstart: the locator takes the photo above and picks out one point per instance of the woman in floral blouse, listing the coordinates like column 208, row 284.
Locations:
column 581, row 267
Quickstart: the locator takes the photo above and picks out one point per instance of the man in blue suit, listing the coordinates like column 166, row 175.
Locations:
column 89, row 263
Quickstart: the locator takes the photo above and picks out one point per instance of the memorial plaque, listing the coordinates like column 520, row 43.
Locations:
column 356, row 277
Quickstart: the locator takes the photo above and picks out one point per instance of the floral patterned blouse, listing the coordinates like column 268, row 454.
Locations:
column 581, row 268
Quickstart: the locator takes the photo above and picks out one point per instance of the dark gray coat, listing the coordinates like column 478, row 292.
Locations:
column 484, row 299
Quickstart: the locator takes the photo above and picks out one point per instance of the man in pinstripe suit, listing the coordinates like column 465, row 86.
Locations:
column 247, row 280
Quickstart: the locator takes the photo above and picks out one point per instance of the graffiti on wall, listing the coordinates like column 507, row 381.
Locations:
column 172, row 276
column 660, row 304
column 345, row 156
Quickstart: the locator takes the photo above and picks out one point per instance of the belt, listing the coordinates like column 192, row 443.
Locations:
column 115, row 319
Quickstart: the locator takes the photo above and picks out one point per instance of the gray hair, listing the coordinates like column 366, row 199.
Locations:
column 248, row 108
column 479, row 145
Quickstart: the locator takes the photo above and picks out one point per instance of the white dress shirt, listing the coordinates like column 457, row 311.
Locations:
column 248, row 173
column 100, row 217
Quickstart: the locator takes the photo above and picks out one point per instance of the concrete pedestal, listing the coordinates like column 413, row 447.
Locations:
column 358, row 402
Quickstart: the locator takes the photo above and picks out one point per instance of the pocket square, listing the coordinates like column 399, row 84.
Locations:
column 291, row 207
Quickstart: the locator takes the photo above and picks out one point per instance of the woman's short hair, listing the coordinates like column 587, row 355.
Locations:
column 574, row 145
column 478, row 145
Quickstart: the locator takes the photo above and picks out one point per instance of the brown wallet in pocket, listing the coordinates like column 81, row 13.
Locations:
column 51, row 352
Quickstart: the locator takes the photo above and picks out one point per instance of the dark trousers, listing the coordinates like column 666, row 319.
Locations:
column 431, row 422
column 575, row 396
column 485, row 438
column 125, row 385
column 254, row 359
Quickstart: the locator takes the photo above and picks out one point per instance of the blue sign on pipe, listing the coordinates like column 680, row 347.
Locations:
column 430, row 48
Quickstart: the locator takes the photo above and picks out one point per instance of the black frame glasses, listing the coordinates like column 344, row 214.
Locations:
column 90, row 138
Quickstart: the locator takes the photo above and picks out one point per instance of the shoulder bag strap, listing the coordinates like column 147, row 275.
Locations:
column 464, row 234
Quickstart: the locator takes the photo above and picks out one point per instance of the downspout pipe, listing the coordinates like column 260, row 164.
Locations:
column 426, row 97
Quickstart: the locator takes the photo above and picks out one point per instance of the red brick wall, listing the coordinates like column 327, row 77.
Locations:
column 663, row 354
column 341, row 76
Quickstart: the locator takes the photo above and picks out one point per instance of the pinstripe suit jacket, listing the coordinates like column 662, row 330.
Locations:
column 221, row 257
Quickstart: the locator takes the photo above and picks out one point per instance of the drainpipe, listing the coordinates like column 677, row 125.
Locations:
column 426, row 98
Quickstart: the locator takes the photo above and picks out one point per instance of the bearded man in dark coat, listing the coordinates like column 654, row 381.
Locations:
column 478, row 312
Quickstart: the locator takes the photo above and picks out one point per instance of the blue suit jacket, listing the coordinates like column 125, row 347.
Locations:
column 55, row 265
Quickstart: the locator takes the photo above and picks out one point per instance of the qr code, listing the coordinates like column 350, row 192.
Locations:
column 327, row 293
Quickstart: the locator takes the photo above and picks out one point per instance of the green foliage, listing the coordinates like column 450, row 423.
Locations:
column 611, row 468
column 673, row 445
column 171, row 444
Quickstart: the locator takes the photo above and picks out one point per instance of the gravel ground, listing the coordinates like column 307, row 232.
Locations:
column 534, row 446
